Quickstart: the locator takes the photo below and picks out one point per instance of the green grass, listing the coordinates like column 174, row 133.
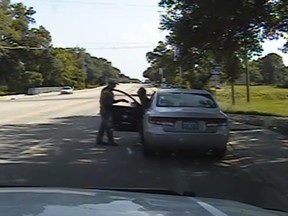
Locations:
column 265, row 100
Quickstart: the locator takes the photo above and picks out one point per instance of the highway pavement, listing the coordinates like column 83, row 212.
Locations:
column 49, row 140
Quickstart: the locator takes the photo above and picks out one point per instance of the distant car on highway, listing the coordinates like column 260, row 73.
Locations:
column 67, row 90
column 178, row 119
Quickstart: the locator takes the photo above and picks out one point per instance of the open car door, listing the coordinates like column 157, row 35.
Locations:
column 126, row 118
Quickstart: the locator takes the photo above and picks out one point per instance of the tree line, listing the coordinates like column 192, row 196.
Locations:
column 28, row 58
column 203, row 35
column 269, row 70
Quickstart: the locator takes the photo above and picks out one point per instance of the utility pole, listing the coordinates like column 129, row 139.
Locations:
column 247, row 78
column 177, row 55
column 161, row 72
column 233, row 91
column 181, row 75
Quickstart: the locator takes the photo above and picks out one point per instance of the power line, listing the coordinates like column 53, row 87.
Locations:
column 22, row 48
column 119, row 47
column 96, row 3
column 119, row 43
column 87, row 48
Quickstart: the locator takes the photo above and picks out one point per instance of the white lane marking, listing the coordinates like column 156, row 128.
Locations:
column 130, row 152
column 43, row 190
column 211, row 209
column 38, row 147
column 248, row 131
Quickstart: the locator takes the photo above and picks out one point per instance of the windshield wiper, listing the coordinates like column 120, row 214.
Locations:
column 161, row 191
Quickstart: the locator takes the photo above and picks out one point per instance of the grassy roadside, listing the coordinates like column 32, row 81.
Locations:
column 265, row 100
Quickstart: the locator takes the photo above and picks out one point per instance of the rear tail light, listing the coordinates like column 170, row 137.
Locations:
column 217, row 122
column 162, row 121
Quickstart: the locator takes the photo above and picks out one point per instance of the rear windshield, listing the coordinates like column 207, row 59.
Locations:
column 177, row 99
column 67, row 87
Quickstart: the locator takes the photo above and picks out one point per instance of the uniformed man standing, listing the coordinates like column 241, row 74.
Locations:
column 106, row 105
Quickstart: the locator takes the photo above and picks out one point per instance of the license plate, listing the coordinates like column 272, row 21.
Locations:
column 190, row 125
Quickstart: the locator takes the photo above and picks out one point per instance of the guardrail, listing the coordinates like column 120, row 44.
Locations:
column 40, row 90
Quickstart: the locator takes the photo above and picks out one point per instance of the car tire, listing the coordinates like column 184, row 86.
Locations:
column 219, row 153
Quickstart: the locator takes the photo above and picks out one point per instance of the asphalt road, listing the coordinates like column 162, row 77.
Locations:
column 49, row 140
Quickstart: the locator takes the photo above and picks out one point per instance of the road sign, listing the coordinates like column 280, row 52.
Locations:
column 216, row 71
column 161, row 71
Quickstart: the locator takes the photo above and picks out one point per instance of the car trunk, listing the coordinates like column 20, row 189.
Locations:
column 190, row 120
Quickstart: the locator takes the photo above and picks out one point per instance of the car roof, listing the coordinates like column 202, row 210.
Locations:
column 179, row 90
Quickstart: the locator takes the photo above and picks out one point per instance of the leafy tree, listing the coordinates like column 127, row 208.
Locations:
column 196, row 66
column 71, row 74
column 32, row 79
column 214, row 29
column 161, row 57
column 272, row 69
column 28, row 59
column 93, row 70
column 125, row 79
column 221, row 25
column 50, row 67
column 12, row 70
column 14, row 62
column 108, row 71
column 255, row 72
column 284, row 82
column 233, row 68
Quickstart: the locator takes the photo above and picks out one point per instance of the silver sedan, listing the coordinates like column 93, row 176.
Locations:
column 178, row 119
column 185, row 119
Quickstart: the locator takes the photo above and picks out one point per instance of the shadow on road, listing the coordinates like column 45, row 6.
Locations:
column 68, row 140
column 51, row 154
column 62, row 153
column 47, row 154
column 264, row 153
column 40, row 143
